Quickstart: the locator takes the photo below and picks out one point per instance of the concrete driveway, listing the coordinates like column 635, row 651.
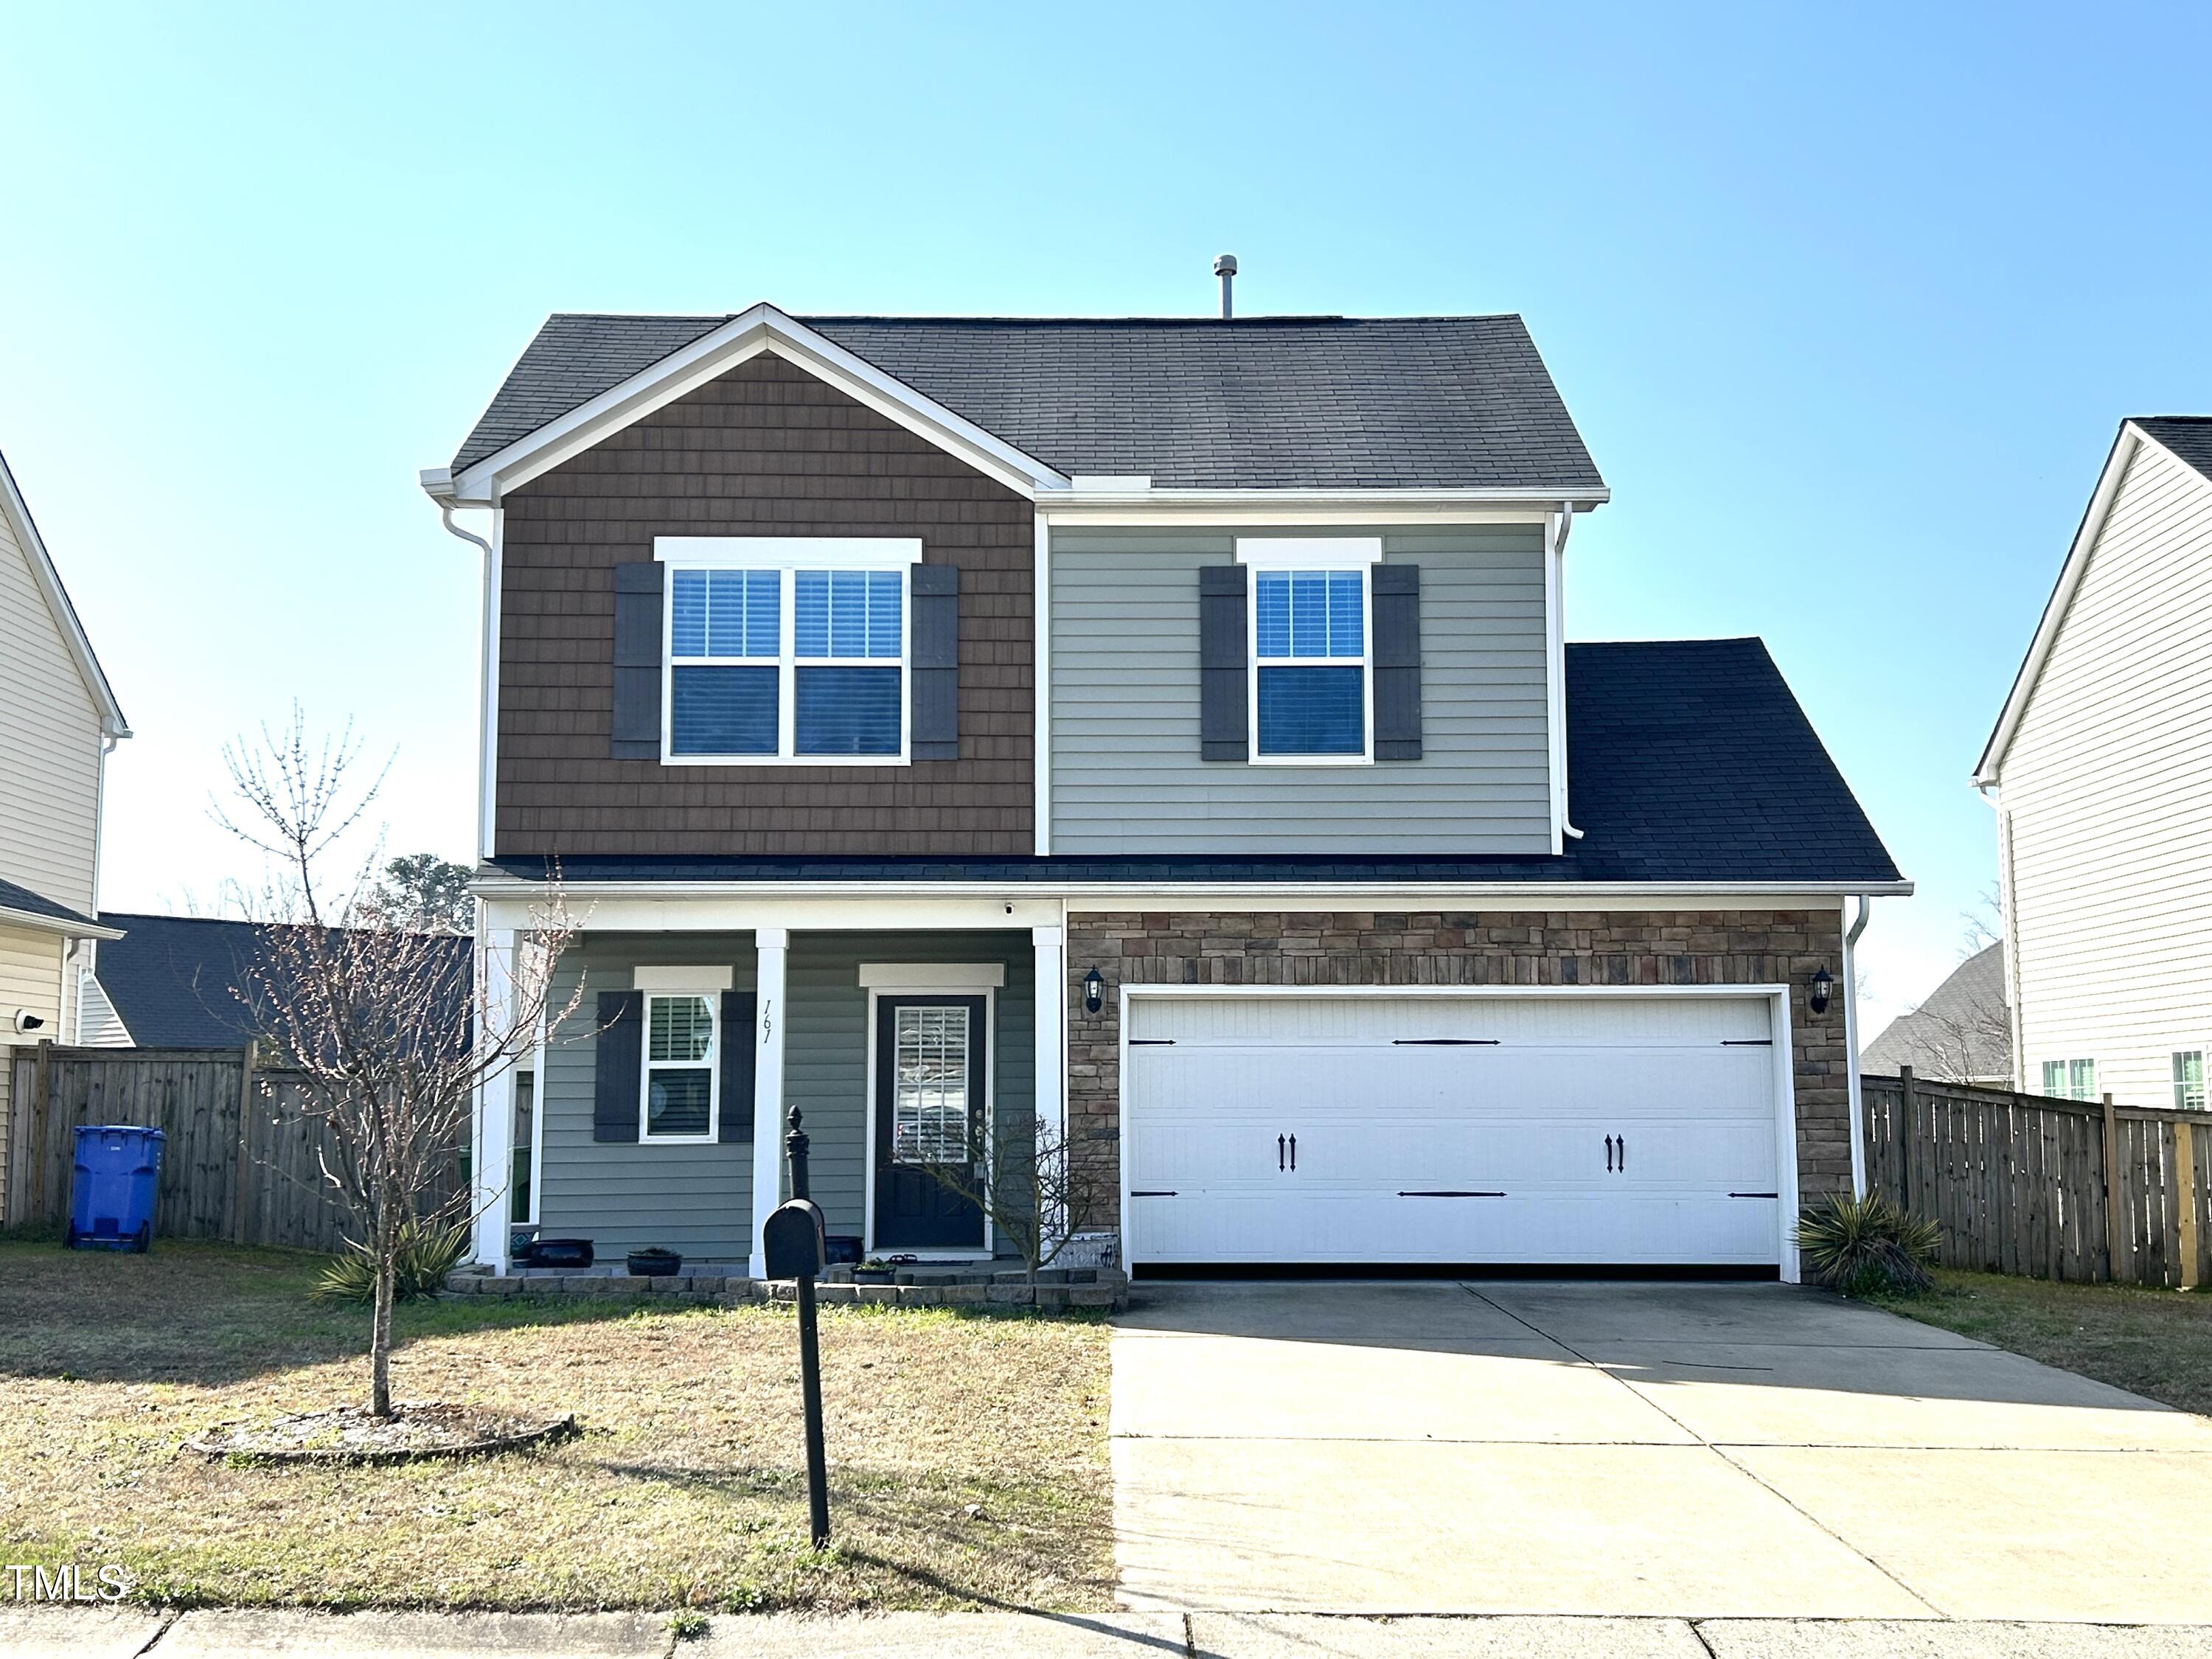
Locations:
column 1694, row 1450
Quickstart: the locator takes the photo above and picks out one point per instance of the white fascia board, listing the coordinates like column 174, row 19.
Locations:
column 762, row 328
column 2129, row 438
column 33, row 922
column 881, row 906
column 26, row 533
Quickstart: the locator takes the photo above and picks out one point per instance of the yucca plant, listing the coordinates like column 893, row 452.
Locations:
column 1868, row 1246
column 423, row 1256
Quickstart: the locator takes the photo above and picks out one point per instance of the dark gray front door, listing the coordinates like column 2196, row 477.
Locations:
column 930, row 1060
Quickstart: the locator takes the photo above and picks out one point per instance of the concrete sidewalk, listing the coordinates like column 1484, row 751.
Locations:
column 71, row 1633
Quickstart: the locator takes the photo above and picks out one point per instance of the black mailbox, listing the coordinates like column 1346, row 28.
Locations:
column 793, row 1240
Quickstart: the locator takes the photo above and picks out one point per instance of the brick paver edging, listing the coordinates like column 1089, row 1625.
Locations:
column 1109, row 1289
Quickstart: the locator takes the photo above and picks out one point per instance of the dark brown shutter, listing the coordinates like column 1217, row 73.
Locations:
column 933, row 674
column 636, row 732
column 618, row 1079
column 1225, row 679
column 1397, row 590
column 740, row 1051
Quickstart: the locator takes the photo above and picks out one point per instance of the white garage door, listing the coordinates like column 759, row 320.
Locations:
column 1630, row 1129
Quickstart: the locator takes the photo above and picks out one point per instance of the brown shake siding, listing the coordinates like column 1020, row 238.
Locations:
column 1322, row 948
column 765, row 450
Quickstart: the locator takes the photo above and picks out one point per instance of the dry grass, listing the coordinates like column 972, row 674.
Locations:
column 2157, row 1343
column 686, row 1489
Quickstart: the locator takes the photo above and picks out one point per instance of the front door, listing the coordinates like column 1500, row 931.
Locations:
column 929, row 1115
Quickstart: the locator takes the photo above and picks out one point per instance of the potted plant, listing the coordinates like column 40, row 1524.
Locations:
column 654, row 1263
column 874, row 1271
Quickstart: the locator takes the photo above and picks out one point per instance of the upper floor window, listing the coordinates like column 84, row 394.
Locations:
column 801, row 659
column 1312, row 698
column 2070, row 1079
column 2189, row 1080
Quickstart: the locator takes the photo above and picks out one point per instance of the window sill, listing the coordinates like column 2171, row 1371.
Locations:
column 669, row 758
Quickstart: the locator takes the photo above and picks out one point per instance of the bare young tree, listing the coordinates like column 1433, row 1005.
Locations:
column 388, row 1031
column 1039, row 1192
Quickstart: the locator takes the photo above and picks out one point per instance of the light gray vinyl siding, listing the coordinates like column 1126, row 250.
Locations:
column 1126, row 775
column 698, row 1199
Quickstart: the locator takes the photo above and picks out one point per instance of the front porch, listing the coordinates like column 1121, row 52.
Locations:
column 656, row 1115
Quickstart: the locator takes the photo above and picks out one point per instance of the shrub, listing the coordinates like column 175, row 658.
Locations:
column 1866, row 1246
column 426, row 1256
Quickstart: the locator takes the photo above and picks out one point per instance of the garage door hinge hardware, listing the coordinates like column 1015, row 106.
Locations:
column 1152, row 1042
column 1747, row 1042
column 1451, row 1194
column 1754, row 1195
column 1444, row 1042
column 1170, row 1193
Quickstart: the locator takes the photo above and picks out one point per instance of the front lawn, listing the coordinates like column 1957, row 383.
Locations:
column 968, row 1451
column 2157, row 1343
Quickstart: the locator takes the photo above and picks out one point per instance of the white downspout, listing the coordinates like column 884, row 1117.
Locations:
column 1556, row 526
column 1851, row 1046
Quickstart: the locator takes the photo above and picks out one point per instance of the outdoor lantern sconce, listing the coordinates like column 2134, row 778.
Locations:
column 1823, row 987
column 1094, row 991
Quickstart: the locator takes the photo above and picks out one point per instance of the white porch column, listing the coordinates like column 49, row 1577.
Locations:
column 1050, row 993
column 771, row 945
column 495, row 1111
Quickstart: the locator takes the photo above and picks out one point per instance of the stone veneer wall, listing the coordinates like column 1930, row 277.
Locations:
column 1453, row 947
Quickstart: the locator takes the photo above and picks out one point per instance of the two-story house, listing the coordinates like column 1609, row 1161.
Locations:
column 58, row 721
column 2101, row 770
column 1163, row 730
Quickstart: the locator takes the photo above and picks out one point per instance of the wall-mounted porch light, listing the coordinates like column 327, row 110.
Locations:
column 1094, row 991
column 1823, row 988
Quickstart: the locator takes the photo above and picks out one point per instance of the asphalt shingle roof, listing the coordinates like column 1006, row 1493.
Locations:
column 174, row 979
column 1364, row 403
column 14, row 898
column 2189, row 436
column 1961, row 1030
column 1688, row 761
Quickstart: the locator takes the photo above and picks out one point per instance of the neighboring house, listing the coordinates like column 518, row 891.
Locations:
column 1961, row 1032
column 2101, row 770
column 1160, row 728
column 59, row 720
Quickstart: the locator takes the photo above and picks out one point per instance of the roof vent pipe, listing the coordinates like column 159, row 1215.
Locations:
column 1225, row 268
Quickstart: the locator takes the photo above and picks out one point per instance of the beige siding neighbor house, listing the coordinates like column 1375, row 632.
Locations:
column 59, row 720
column 2101, row 770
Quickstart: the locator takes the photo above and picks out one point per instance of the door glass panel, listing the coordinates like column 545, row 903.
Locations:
column 929, row 1093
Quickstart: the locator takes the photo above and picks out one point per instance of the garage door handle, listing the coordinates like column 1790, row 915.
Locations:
column 1451, row 1194
column 1294, row 1154
column 1624, row 1154
column 1608, row 1154
column 1278, row 1152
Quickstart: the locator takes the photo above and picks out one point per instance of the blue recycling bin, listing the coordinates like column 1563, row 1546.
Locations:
column 118, row 1170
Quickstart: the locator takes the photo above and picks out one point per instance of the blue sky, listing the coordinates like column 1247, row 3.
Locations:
column 1847, row 302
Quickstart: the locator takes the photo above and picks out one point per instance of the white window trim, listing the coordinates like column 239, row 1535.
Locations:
column 989, row 1248
column 646, row 1065
column 2179, row 1086
column 1283, row 554
column 2066, row 1066
column 787, row 555
column 921, row 978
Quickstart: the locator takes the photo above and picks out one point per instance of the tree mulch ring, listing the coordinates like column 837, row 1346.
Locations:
column 417, row 1429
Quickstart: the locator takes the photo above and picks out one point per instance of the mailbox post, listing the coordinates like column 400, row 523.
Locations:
column 795, row 1247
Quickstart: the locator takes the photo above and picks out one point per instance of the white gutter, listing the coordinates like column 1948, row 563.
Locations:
column 68, row 927
column 1556, row 525
column 1851, row 1047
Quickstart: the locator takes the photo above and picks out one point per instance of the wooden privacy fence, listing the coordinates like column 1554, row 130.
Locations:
column 251, row 1176
column 2047, row 1188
